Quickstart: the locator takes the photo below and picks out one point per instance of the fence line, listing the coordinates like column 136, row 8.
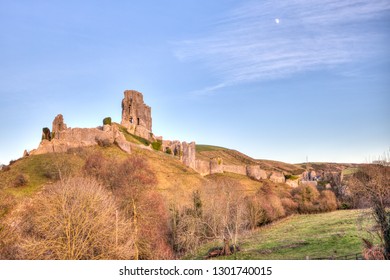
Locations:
column 357, row 256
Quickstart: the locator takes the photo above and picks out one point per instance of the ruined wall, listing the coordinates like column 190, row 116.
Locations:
column 277, row 177
column 216, row 166
column 58, row 125
column 174, row 146
column 202, row 167
column 254, row 172
column 136, row 115
column 309, row 183
column 188, row 157
column 292, row 183
column 68, row 138
column 237, row 169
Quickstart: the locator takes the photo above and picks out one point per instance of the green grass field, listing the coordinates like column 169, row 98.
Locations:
column 208, row 148
column 326, row 235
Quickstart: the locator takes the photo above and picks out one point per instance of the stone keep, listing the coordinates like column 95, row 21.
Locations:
column 136, row 115
column 58, row 126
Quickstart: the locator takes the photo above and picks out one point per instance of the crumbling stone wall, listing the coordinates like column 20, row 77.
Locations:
column 136, row 115
column 202, row 167
column 237, row 169
column 277, row 177
column 216, row 166
column 189, row 151
column 254, row 172
column 58, row 126
column 68, row 138
column 174, row 146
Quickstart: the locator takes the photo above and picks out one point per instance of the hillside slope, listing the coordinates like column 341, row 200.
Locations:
column 233, row 157
column 327, row 235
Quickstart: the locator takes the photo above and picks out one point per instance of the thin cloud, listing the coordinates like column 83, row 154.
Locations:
column 248, row 45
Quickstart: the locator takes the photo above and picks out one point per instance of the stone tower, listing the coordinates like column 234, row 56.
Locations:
column 58, row 126
column 136, row 115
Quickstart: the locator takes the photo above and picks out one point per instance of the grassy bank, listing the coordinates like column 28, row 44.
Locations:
column 323, row 235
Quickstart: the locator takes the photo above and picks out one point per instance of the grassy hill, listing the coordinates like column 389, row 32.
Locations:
column 335, row 234
column 233, row 157
column 173, row 177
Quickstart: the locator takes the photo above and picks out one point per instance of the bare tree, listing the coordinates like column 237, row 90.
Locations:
column 372, row 184
column 224, row 213
column 133, row 184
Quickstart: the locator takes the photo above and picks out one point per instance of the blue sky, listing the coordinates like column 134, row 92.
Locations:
column 281, row 80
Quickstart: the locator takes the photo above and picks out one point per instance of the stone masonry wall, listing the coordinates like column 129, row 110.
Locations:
column 136, row 115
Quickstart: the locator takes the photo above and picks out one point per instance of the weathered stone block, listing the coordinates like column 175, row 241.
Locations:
column 254, row 172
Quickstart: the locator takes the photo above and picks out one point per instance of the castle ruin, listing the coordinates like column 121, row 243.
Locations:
column 136, row 115
column 137, row 119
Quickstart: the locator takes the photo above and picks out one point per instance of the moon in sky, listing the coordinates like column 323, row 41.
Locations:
column 277, row 20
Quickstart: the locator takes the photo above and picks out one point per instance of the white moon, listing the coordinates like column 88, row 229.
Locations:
column 277, row 20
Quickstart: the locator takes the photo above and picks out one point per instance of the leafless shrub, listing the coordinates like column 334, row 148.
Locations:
column 152, row 219
column 186, row 225
column 372, row 184
column 132, row 182
column 223, row 214
column 20, row 180
column 75, row 219
column 264, row 206
column 372, row 252
column 289, row 205
column 95, row 165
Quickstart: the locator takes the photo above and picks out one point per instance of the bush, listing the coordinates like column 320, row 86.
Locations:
column 168, row 151
column 46, row 134
column 289, row 205
column 345, row 206
column 140, row 139
column 20, row 180
column 131, row 181
column 307, row 198
column 157, row 145
column 328, row 201
column 103, row 142
column 291, row 177
column 75, row 219
column 107, row 121
column 264, row 207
